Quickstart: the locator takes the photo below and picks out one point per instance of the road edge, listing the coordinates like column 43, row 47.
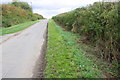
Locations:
column 41, row 62
column 2, row 40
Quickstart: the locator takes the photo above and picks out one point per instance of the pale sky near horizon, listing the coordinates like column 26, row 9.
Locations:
column 49, row 8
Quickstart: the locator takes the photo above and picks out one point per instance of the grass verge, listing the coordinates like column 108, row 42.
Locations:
column 64, row 57
column 16, row 28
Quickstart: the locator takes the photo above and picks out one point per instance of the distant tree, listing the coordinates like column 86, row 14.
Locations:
column 23, row 5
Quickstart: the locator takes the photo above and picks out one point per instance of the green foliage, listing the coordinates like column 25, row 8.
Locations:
column 16, row 28
column 99, row 24
column 23, row 5
column 37, row 17
column 12, row 15
column 64, row 60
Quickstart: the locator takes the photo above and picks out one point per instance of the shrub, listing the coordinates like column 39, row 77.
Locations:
column 23, row 5
column 99, row 24
column 12, row 15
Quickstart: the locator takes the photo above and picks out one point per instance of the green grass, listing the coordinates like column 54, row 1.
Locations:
column 16, row 28
column 64, row 57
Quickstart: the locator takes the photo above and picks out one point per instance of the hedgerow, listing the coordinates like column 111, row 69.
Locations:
column 99, row 23
column 64, row 58
column 12, row 15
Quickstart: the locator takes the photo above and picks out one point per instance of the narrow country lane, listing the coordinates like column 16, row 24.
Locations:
column 21, row 52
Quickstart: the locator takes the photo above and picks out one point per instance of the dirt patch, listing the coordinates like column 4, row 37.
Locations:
column 41, row 63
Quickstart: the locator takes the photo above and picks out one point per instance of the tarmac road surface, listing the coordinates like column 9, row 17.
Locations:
column 21, row 51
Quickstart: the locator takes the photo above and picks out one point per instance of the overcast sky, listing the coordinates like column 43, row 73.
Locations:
column 49, row 8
